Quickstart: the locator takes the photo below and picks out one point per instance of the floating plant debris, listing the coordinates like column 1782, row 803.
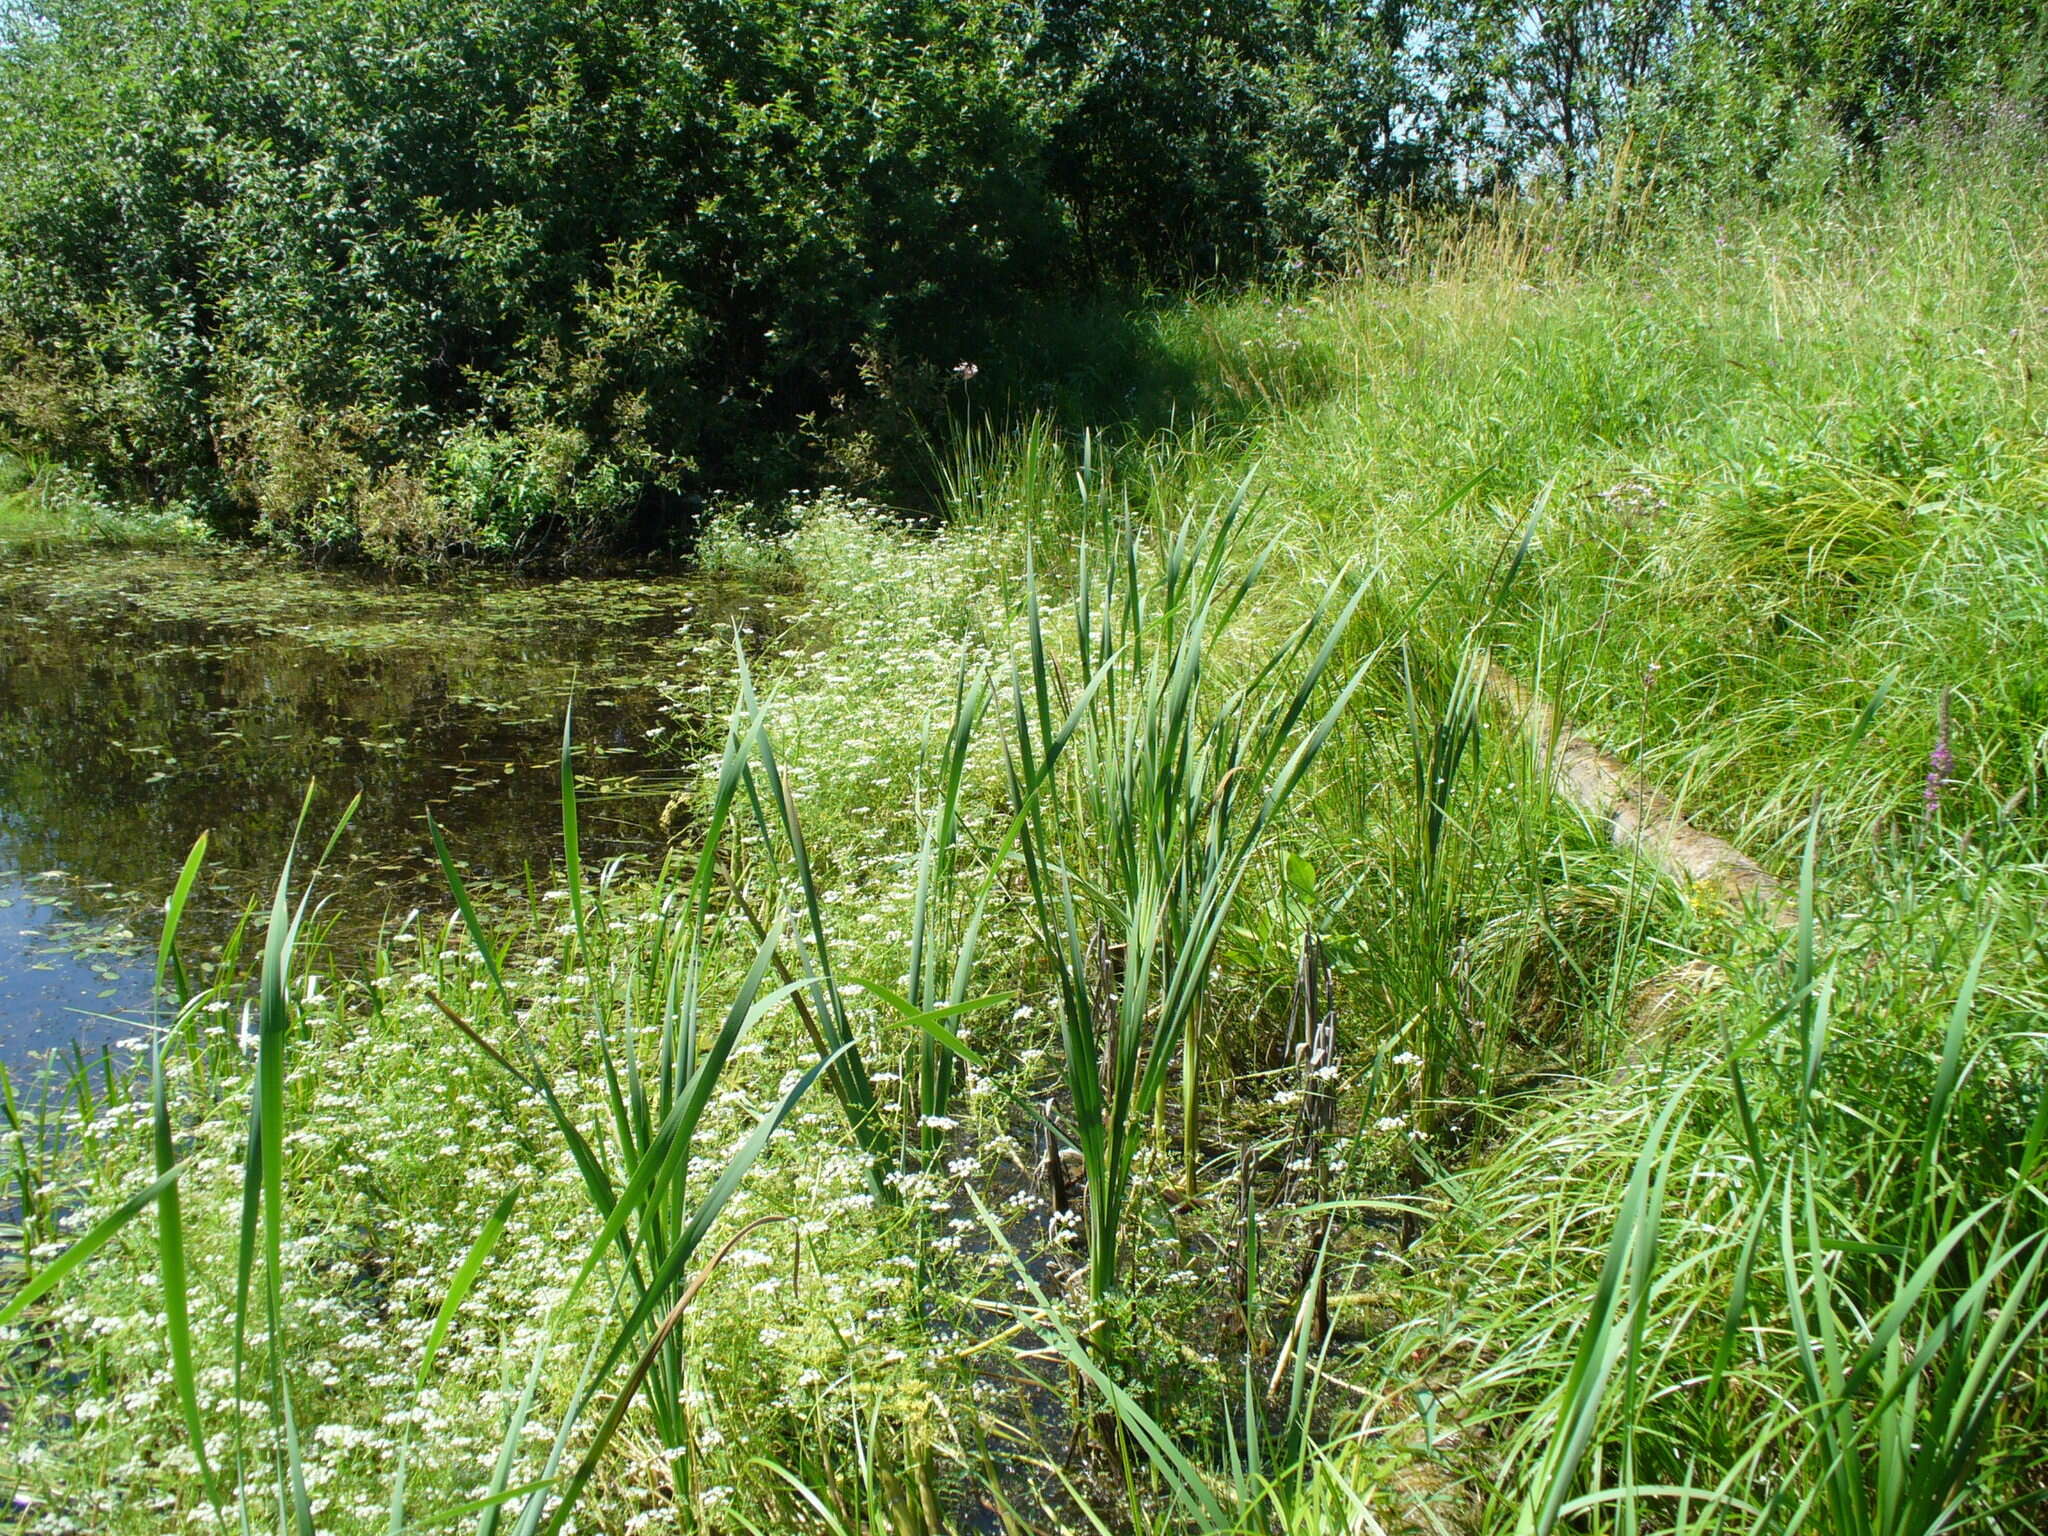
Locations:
column 149, row 696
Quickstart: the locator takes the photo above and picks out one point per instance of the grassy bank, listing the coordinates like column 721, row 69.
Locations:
column 1180, row 1061
column 43, row 507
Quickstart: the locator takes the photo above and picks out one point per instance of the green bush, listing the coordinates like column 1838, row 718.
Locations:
column 467, row 275
column 1786, row 94
column 405, row 280
column 473, row 273
column 1238, row 137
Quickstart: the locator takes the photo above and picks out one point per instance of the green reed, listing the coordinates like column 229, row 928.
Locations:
column 635, row 1168
column 1176, row 773
column 635, row 1174
column 947, row 918
column 1819, row 1291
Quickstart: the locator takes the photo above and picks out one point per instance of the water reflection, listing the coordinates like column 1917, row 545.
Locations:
column 145, row 698
column 62, row 982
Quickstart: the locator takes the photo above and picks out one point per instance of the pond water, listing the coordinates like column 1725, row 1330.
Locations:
column 147, row 697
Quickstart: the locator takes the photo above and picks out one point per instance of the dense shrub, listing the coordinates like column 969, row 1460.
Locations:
column 1234, row 137
column 404, row 277
column 476, row 272
column 1786, row 94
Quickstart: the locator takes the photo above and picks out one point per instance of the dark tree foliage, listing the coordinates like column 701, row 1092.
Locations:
column 1219, row 138
column 492, row 273
column 406, row 277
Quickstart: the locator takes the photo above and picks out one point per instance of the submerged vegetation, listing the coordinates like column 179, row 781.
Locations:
column 1130, row 1033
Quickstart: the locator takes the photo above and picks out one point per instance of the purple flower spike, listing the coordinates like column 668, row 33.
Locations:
column 1941, row 762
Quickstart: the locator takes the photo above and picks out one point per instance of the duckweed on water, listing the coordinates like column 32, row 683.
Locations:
column 150, row 696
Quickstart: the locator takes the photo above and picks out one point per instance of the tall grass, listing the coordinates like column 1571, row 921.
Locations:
column 1135, row 857
column 636, row 1172
column 1801, row 1296
column 1589, row 1205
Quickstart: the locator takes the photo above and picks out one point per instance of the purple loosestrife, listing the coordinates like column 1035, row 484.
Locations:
column 1941, row 762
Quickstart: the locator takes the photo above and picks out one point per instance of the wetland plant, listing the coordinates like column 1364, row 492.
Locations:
column 640, row 1172
column 1178, row 766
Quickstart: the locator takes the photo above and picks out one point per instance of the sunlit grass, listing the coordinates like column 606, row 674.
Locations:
column 1437, row 1165
column 43, row 508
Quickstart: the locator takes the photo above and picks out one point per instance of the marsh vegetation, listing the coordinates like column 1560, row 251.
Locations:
column 1125, row 1030
column 1397, row 887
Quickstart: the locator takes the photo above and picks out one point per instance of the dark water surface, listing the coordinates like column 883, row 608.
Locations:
column 146, row 697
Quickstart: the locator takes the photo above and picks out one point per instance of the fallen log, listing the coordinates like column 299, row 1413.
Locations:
column 1635, row 812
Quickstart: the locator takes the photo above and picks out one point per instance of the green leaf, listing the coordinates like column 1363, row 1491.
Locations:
column 103, row 1232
